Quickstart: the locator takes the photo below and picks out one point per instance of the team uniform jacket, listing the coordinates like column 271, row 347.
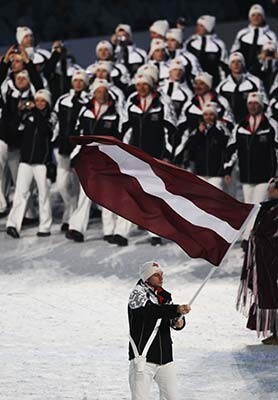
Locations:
column 131, row 57
column 106, row 125
column 192, row 111
column 237, row 92
column 144, row 308
column 249, row 42
column 152, row 130
column 11, row 115
column 206, row 149
column 255, row 152
column 67, row 109
column 37, row 130
column 190, row 62
column 211, row 53
column 178, row 92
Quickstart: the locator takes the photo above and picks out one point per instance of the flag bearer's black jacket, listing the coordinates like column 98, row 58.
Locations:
column 36, row 136
column 153, row 130
column 255, row 151
column 144, row 308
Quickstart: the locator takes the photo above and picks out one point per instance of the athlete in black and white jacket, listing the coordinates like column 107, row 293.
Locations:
column 209, row 49
column 148, row 302
column 236, row 87
column 66, row 110
column 253, row 144
column 249, row 41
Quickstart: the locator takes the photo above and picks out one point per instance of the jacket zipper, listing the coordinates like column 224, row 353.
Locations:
column 33, row 145
column 141, row 336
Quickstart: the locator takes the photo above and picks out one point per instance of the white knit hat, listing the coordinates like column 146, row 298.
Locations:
column 210, row 107
column 175, row 33
column 149, row 69
column 99, row 83
column 237, row 56
column 204, row 77
column 124, row 27
column 44, row 94
column 148, row 269
column 104, row 44
column 107, row 65
column 80, row 74
column 256, row 9
column 21, row 32
column 255, row 97
column 208, row 21
column 176, row 63
column 144, row 78
column 156, row 44
column 24, row 74
column 160, row 27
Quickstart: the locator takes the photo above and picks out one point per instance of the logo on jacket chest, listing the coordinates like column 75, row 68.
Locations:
column 154, row 117
column 107, row 124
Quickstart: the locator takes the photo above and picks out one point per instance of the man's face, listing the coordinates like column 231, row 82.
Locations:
column 172, row 44
column 200, row 87
column 156, row 280
column 103, row 54
column 209, row 117
column 200, row 30
column 17, row 63
column 158, row 55
column 78, row 85
column 102, row 74
column 256, row 20
column 101, row 95
column 143, row 89
column 236, row 67
column 175, row 74
column 122, row 36
column 21, row 82
column 254, row 108
column 40, row 103
column 28, row 41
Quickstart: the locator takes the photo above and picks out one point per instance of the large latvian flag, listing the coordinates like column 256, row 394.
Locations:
column 166, row 200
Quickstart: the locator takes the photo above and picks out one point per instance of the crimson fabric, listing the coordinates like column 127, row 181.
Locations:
column 104, row 183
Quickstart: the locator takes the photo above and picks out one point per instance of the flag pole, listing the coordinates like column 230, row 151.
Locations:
column 251, row 215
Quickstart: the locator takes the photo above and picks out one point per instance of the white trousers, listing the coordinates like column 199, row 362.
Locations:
column 26, row 174
column 141, row 382
column 67, row 185
column 111, row 224
column 254, row 194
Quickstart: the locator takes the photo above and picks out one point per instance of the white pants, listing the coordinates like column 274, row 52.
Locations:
column 214, row 180
column 67, row 185
column 164, row 375
column 112, row 224
column 254, row 194
column 25, row 175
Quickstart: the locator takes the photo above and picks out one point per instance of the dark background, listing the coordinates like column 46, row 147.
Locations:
column 68, row 19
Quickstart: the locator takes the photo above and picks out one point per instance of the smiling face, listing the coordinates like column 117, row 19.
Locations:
column 40, row 103
column 101, row 95
column 156, row 280
column 209, row 117
column 143, row 89
column 200, row 87
column 176, row 74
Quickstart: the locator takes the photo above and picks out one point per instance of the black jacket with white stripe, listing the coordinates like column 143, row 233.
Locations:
column 67, row 109
column 255, row 152
column 211, row 53
column 143, row 312
column 249, row 42
column 236, row 92
column 106, row 125
column 153, row 130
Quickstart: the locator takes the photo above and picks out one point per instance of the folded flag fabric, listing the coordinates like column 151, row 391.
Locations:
column 164, row 199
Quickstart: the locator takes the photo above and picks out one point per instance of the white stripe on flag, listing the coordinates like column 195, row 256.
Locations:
column 154, row 185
